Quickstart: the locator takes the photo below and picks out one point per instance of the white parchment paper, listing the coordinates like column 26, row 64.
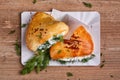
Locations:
column 91, row 20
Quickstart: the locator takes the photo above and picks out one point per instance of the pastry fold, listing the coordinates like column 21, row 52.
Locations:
column 41, row 28
column 80, row 44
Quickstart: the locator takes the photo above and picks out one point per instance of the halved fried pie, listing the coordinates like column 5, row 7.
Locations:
column 80, row 44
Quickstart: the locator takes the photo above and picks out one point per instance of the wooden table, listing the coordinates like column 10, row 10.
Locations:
column 10, row 65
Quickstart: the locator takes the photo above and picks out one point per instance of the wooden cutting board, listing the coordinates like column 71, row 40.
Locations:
column 10, row 65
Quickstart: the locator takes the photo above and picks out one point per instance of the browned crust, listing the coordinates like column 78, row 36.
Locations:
column 80, row 44
column 37, row 26
column 29, row 26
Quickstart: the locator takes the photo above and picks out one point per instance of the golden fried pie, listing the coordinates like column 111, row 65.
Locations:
column 42, row 27
column 80, row 44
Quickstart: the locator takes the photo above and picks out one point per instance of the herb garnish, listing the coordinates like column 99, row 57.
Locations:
column 34, row 1
column 11, row 32
column 23, row 25
column 38, row 62
column 87, row 4
column 17, row 48
column 84, row 60
column 62, row 62
column 69, row 74
column 39, row 36
column 41, row 60
column 59, row 51
column 68, row 50
column 60, row 38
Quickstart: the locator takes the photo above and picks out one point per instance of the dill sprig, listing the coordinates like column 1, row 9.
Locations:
column 69, row 74
column 41, row 60
column 17, row 48
column 38, row 62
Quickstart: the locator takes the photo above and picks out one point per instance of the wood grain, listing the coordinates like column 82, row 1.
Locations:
column 10, row 65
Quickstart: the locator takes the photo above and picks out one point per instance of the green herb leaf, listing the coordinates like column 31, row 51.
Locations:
column 34, row 1
column 41, row 60
column 58, row 38
column 23, row 25
column 38, row 62
column 40, row 35
column 61, row 39
column 62, row 62
column 68, row 50
column 30, row 65
column 59, row 51
column 17, row 48
column 11, row 32
column 87, row 4
column 46, row 59
column 69, row 74
column 84, row 60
